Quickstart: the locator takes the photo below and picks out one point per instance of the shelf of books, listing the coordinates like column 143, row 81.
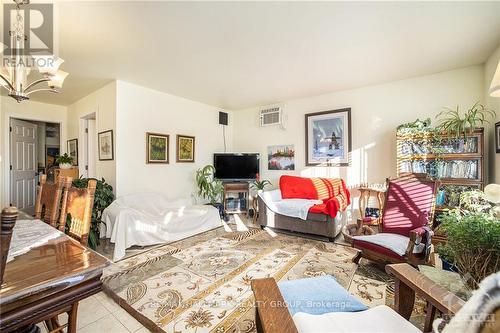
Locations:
column 456, row 161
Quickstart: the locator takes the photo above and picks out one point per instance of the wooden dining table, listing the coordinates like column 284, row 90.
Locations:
column 46, row 272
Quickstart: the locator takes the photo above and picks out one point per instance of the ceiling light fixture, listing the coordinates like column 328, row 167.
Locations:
column 16, row 68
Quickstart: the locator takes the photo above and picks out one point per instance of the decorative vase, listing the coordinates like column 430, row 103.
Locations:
column 65, row 166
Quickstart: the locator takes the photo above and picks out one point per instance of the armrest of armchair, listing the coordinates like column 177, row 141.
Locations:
column 272, row 315
column 417, row 236
column 409, row 281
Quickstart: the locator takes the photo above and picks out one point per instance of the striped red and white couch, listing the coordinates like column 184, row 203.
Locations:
column 307, row 205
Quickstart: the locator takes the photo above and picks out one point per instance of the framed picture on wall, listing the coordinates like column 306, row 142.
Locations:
column 281, row 157
column 497, row 137
column 185, row 148
column 73, row 150
column 157, row 148
column 328, row 137
column 105, row 145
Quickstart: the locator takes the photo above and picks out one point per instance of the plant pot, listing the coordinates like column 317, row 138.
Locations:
column 448, row 266
column 65, row 166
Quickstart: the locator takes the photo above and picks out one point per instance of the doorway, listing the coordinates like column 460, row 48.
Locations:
column 88, row 135
column 34, row 146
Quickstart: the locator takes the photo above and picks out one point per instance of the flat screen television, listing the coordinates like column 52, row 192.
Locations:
column 236, row 166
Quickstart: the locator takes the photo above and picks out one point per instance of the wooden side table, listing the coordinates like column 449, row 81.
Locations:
column 366, row 192
column 71, row 172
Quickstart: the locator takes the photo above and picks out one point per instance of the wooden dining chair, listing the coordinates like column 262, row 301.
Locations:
column 77, row 204
column 8, row 220
column 48, row 200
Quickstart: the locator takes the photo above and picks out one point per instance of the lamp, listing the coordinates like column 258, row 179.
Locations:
column 495, row 83
column 492, row 193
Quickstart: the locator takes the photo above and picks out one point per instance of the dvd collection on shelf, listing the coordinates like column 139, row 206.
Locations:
column 446, row 146
column 462, row 169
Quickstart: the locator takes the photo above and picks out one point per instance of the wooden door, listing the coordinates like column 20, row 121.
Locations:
column 23, row 165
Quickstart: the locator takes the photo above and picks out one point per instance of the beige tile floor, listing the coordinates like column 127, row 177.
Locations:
column 99, row 313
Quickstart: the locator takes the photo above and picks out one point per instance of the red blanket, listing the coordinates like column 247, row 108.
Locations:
column 332, row 191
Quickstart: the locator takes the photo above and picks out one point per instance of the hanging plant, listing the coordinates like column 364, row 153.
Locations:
column 452, row 121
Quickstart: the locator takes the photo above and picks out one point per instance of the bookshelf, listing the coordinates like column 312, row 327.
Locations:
column 457, row 162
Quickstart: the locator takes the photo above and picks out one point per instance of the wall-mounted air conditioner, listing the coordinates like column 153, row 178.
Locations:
column 272, row 116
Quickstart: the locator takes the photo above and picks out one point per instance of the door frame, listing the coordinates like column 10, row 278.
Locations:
column 6, row 147
column 82, row 159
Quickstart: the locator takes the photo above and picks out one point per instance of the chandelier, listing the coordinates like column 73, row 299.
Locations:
column 17, row 66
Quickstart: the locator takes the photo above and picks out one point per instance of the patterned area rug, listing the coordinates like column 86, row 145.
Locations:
column 202, row 283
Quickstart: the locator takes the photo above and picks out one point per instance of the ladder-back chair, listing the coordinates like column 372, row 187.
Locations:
column 9, row 216
column 77, row 204
column 48, row 200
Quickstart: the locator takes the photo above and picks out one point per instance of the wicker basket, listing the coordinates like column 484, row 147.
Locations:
column 350, row 230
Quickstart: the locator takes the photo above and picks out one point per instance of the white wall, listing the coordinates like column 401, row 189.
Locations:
column 493, row 103
column 103, row 103
column 28, row 110
column 376, row 112
column 141, row 110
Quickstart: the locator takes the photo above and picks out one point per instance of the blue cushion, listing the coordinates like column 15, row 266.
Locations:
column 318, row 295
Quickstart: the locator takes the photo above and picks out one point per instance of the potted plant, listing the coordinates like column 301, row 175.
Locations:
column 65, row 161
column 473, row 234
column 453, row 122
column 103, row 197
column 260, row 185
column 209, row 187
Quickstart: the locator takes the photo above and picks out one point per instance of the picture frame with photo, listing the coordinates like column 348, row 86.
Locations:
column 185, row 151
column 72, row 148
column 157, row 151
column 105, row 145
column 328, row 137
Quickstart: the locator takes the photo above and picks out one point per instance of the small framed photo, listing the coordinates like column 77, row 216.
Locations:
column 328, row 137
column 73, row 150
column 185, row 149
column 497, row 137
column 157, row 148
column 105, row 143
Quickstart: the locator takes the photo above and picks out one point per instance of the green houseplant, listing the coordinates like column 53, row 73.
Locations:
column 103, row 197
column 65, row 161
column 260, row 185
column 452, row 120
column 209, row 187
column 473, row 233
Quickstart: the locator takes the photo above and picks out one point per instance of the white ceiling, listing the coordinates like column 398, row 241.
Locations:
column 239, row 54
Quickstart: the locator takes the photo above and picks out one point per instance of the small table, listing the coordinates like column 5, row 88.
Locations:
column 365, row 192
column 49, row 272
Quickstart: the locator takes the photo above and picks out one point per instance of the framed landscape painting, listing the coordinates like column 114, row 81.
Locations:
column 185, row 149
column 281, row 157
column 73, row 150
column 157, row 148
column 105, row 143
column 328, row 137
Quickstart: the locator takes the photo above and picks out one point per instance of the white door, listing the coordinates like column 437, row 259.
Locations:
column 23, row 165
